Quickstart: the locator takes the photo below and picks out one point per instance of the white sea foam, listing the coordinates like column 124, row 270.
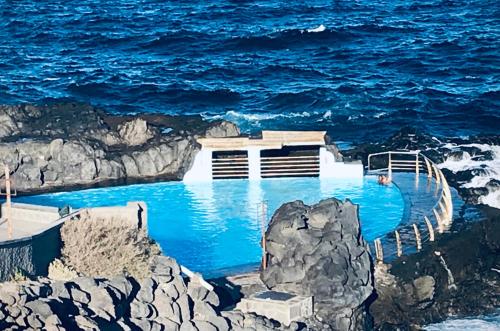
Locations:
column 320, row 28
column 490, row 169
column 254, row 118
column 489, row 323
column 379, row 115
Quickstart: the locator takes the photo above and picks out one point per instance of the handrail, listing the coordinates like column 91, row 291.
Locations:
column 442, row 210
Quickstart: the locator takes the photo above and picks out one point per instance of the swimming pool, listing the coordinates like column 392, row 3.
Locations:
column 212, row 226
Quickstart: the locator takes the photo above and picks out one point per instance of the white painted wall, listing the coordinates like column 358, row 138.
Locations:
column 254, row 163
column 201, row 170
column 330, row 168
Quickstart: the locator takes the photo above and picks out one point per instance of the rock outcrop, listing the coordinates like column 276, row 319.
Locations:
column 470, row 164
column 57, row 146
column 457, row 276
column 164, row 301
column 318, row 250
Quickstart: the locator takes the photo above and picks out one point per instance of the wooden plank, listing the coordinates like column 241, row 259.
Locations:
column 229, row 166
column 231, row 159
column 285, row 170
column 289, row 157
column 268, row 174
column 224, row 171
column 270, row 140
column 290, row 165
column 291, row 162
column 230, row 176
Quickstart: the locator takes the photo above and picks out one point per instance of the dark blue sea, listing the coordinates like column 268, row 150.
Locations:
column 359, row 69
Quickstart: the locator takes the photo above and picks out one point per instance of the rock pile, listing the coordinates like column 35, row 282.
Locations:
column 318, row 250
column 165, row 301
column 61, row 145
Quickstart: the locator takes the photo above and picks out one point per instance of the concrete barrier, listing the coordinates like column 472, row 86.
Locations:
column 134, row 213
column 32, row 213
column 31, row 255
column 35, row 248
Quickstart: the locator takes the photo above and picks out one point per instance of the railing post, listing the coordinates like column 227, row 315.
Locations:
column 398, row 244
column 8, row 202
column 438, row 220
column 429, row 228
column 417, row 237
column 436, row 171
column 389, row 167
column 379, row 252
column 263, row 231
column 429, row 168
column 417, row 166
column 444, row 212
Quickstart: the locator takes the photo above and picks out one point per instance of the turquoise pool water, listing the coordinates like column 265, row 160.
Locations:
column 212, row 226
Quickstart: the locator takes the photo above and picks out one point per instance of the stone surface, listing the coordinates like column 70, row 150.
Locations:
column 135, row 132
column 120, row 303
column 67, row 144
column 455, row 276
column 318, row 251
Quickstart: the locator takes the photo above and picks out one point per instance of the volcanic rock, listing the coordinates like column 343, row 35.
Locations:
column 318, row 251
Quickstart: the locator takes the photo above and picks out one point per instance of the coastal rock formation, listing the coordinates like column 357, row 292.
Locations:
column 470, row 164
column 457, row 276
column 318, row 250
column 164, row 301
column 56, row 146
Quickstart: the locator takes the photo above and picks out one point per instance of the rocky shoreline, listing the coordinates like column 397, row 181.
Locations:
column 313, row 250
column 457, row 275
column 71, row 145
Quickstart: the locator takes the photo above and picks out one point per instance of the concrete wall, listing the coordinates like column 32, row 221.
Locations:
column 32, row 213
column 32, row 255
column 134, row 213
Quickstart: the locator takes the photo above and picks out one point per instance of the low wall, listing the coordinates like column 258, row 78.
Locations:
column 32, row 213
column 134, row 213
column 31, row 255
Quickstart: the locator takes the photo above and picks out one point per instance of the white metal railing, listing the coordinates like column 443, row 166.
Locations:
column 414, row 161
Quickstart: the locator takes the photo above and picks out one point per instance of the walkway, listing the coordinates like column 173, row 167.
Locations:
column 420, row 194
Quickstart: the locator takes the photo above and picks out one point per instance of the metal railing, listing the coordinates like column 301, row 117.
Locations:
column 442, row 212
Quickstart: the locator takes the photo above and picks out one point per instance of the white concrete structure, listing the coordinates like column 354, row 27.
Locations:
column 201, row 170
column 282, row 307
column 276, row 154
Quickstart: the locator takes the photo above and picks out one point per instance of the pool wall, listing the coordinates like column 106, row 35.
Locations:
column 31, row 255
column 327, row 166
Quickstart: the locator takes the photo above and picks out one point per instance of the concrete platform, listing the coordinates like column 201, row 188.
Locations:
column 27, row 220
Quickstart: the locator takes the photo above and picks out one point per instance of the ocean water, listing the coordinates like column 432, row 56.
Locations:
column 483, row 323
column 213, row 226
column 359, row 69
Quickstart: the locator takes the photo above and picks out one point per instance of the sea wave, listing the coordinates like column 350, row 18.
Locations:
column 486, row 323
column 342, row 63
column 484, row 168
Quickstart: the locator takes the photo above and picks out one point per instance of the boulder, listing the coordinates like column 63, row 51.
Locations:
column 318, row 251
column 135, row 132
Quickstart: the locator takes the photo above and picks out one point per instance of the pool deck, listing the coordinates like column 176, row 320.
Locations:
column 22, row 229
column 420, row 195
